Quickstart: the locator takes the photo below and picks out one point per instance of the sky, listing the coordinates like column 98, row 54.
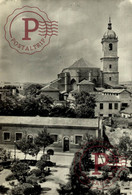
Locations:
column 82, row 24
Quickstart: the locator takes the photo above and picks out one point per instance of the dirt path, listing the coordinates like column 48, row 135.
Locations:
column 58, row 175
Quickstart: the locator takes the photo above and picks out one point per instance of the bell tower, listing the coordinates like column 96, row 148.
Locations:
column 109, row 58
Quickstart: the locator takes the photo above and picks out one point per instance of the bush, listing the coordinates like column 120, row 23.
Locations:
column 26, row 189
column 3, row 189
column 36, row 172
column 32, row 179
column 123, row 173
column 10, row 177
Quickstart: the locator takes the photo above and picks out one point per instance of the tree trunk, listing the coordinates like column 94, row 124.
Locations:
column 43, row 150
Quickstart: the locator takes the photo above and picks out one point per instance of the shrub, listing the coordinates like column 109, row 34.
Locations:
column 26, row 189
column 10, row 177
column 3, row 189
column 36, row 172
column 32, row 179
column 123, row 173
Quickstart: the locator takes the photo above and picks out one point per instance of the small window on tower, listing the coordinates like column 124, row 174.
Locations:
column 110, row 66
column 110, row 46
column 109, row 78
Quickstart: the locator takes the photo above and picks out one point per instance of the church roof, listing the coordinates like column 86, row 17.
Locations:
column 49, row 88
column 81, row 63
column 85, row 82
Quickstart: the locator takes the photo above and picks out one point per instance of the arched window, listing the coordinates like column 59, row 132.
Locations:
column 73, row 84
column 30, row 138
column 110, row 66
column 110, row 46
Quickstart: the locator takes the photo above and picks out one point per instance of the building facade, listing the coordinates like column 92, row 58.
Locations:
column 66, row 132
column 123, row 95
column 107, row 106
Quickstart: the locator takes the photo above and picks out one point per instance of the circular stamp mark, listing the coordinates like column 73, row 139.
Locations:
column 96, row 164
column 28, row 30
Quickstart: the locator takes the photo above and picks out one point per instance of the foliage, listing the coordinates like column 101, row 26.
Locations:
column 123, row 173
column 10, row 177
column 20, row 171
column 124, row 144
column 36, row 172
column 4, row 155
column 43, row 139
column 43, row 162
column 3, row 189
column 115, row 190
column 62, row 111
column 113, row 156
column 32, row 89
column 32, row 179
column 27, row 147
column 26, row 189
column 85, row 105
column 27, row 106
column 79, row 179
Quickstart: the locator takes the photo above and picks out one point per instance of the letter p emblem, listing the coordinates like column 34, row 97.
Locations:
column 97, row 165
column 27, row 30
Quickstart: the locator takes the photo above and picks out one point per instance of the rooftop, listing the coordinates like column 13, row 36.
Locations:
column 49, row 121
column 85, row 82
column 127, row 110
column 106, row 98
column 81, row 63
column 118, row 91
column 49, row 88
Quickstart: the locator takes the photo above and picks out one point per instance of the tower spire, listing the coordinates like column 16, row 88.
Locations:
column 109, row 24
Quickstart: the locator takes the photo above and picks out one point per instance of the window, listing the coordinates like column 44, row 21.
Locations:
column 18, row 136
column 7, row 136
column 54, row 137
column 110, row 106
column 30, row 138
column 110, row 66
column 110, row 46
column 101, row 106
column 116, row 106
column 110, row 115
column 78, row 139
column 101, row 115
column 109, row 78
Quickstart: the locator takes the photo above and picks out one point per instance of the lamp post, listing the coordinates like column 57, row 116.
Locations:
column 14, row 150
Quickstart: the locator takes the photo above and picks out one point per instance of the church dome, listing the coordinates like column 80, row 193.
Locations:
column 110, row 34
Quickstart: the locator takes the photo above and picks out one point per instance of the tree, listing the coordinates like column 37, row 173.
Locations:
column 85, row 105
column 27, row 147
column 62, row 111
column 20, row 171
column 43, row 139
column 32, row 89
column 123, row 173
column 40, row 105
column 45, row 104
column 125, row 147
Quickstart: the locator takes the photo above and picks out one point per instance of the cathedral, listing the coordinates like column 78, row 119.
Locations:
column 84, row 76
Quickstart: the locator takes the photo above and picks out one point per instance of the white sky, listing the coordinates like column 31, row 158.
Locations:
column 82, row 24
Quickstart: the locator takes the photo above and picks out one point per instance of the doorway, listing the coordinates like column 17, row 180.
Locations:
column 66, row 144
